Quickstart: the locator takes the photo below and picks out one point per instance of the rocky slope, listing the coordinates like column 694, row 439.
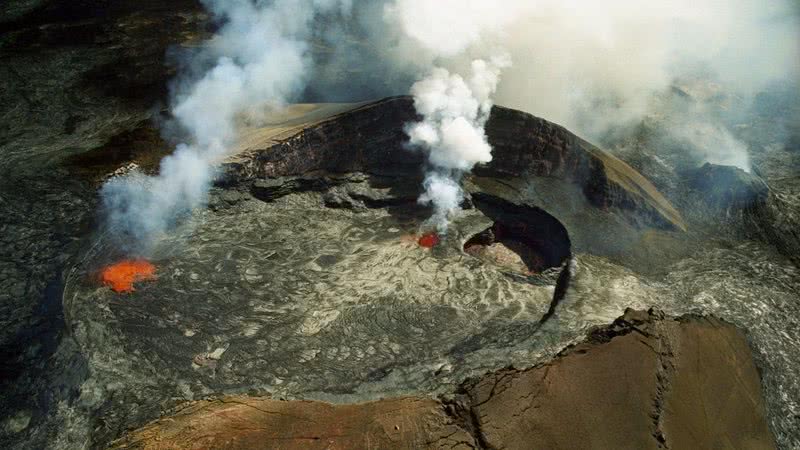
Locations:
column 646, row 381
column 371, row 138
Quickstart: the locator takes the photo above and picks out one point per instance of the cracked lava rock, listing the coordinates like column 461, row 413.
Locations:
column 635, row 381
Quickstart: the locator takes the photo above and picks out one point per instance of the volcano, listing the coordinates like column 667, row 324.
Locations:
column 307, row 278
column 299, row 282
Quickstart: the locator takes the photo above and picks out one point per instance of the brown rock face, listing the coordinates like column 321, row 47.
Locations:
column 644, row 382
column 721, row 409
column 600, row 399
column 248, row 423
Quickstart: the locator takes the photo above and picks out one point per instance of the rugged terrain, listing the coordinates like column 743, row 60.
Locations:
column 645, row 381
column 302, row 279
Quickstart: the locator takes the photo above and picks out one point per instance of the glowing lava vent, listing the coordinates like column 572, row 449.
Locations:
column 121, row 276
column 429, row 240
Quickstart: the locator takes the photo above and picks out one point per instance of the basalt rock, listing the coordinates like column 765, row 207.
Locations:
column 644, row 382
column 274, row 188
column 728, row 189
column 80, row 83
column 777, row 221
column 543, row 241
column 371, row 139
column 746, row 203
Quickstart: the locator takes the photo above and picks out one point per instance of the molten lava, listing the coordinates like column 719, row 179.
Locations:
column 121, row 276
column 429, row 240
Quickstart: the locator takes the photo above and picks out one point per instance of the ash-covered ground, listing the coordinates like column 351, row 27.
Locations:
column 323, row 292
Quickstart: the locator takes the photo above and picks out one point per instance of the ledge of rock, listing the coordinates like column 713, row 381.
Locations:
column 370, row 138
column 644, row 382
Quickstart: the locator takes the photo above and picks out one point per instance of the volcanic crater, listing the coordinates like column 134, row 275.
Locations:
column 304, row 277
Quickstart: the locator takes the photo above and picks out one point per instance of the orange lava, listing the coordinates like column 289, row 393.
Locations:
column 121, row 276
column 428, row 240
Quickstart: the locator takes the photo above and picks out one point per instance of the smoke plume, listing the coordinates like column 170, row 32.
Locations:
column 261, row 60
column 594, row 67
column 454, row 112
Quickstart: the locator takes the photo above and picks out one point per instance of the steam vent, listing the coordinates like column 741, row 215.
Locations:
column 399, row 224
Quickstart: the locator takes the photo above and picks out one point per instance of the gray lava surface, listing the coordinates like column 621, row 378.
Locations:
column 322, row 292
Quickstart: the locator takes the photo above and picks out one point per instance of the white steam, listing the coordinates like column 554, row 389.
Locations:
column 448, row 27
column 706, row 139
column 596, row 66
column 454, row 112
column 591, row 66
column 262, row 60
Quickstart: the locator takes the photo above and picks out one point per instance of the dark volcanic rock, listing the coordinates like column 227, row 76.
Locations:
column 270, row 189
column 371, row 139
column 351, row 191
column 142, row 145
column 527, row 145
column 778, row 221
column 82, row 78
column 542, row 240
column 728, row 188
column 77, row 78
column 747, row 204
column 645, row 381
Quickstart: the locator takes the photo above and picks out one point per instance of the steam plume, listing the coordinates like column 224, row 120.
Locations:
column 593, row 67
column 454, row 110
column 261, row 60
column 454, row 113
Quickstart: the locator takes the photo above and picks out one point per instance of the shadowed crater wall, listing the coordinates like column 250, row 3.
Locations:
column 540, row 240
